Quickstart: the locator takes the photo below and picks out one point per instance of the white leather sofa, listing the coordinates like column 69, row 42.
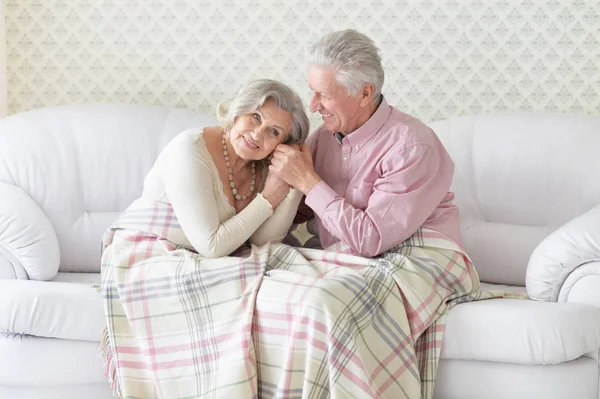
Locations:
column 522, row 183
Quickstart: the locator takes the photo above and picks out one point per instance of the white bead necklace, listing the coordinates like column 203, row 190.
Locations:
column 236, row 195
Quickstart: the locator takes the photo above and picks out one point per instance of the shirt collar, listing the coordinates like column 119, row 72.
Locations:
column 361, row 135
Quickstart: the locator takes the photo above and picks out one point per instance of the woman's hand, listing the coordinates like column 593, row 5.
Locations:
column 275, row 189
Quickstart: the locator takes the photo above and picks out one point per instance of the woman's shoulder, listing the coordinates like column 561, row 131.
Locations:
column 189, row 144
column 188, row 140
column 188, row 136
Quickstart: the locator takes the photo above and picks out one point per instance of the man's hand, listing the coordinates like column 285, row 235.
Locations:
column 295, row 167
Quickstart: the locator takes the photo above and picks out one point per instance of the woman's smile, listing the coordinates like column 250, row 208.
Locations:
column 250, row 143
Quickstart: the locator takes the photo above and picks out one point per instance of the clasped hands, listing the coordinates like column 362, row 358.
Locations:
column 294, row 165
column 291, row 166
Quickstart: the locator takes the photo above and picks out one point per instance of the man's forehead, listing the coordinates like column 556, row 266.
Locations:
column 322, row 80
column 322, row 89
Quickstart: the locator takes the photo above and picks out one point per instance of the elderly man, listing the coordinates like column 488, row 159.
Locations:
column 376, row 180
column 375, row 175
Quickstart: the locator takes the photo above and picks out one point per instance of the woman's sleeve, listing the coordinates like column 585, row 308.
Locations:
column 276, row 227
column 186, row 175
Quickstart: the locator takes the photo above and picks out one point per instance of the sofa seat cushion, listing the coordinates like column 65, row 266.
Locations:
column 498, row 330
column 68, row 307
column 521, row 331
column 34, row 361
column 470, row 379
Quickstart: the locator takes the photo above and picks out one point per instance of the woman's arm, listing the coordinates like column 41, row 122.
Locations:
column 276, row 227
column 186, row 175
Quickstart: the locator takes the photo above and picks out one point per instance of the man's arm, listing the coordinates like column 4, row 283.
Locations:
column 414, row 182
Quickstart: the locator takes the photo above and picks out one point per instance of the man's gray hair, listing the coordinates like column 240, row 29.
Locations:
column 254, row 94
column 353, row 57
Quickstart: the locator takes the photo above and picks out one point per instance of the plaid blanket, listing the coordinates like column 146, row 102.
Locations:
column 274, row 321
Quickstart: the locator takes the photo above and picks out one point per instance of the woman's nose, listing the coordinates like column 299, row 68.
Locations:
column 256, row 133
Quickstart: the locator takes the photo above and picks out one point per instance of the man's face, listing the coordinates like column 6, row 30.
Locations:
column 339, row 111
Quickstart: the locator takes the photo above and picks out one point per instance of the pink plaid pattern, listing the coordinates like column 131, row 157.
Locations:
column 275, row 321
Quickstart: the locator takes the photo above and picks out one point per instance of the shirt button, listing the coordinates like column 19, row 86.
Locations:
column 357, row 148
column 345, row 158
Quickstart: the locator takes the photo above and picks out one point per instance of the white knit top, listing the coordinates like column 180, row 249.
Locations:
column 185, row 176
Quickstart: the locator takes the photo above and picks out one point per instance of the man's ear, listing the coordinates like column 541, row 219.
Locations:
column 366, row 94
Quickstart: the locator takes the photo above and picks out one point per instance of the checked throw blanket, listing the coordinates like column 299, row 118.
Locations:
column 274, row 321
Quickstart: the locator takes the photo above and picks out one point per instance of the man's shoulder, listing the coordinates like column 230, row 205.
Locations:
column 316, row 136
column 407, row 130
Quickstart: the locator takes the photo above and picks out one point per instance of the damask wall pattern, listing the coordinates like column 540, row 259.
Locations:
column 3, row 90
column 442, row 58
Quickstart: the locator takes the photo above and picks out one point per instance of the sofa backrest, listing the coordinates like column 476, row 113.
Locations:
column 84, row 164
column 517, row 178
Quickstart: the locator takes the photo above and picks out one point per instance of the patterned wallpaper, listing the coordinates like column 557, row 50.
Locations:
column 3, row 92
column 441, row 58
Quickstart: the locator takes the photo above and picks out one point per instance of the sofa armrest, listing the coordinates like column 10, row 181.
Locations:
column 582, row 285
column 28, row 243
column 561, row 254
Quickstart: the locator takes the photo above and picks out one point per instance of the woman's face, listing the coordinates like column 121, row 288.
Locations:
column 254, row 136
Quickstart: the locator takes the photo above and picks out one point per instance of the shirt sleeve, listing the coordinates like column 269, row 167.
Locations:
column 187, row 178
column 413, row 183
column 276, row 227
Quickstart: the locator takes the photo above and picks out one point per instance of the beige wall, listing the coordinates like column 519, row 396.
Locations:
column 3, row 88
column 442, row 58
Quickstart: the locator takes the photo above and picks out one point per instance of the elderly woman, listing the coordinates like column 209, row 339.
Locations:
column 215, row 177
column 164, row 262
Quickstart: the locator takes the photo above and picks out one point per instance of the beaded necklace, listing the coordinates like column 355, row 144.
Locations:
column 236, row 195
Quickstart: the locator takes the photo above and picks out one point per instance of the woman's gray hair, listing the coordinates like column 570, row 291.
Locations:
column 253, row 95
column 353, row 57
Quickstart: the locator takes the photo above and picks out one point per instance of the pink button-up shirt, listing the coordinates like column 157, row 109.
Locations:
column 381, row 183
